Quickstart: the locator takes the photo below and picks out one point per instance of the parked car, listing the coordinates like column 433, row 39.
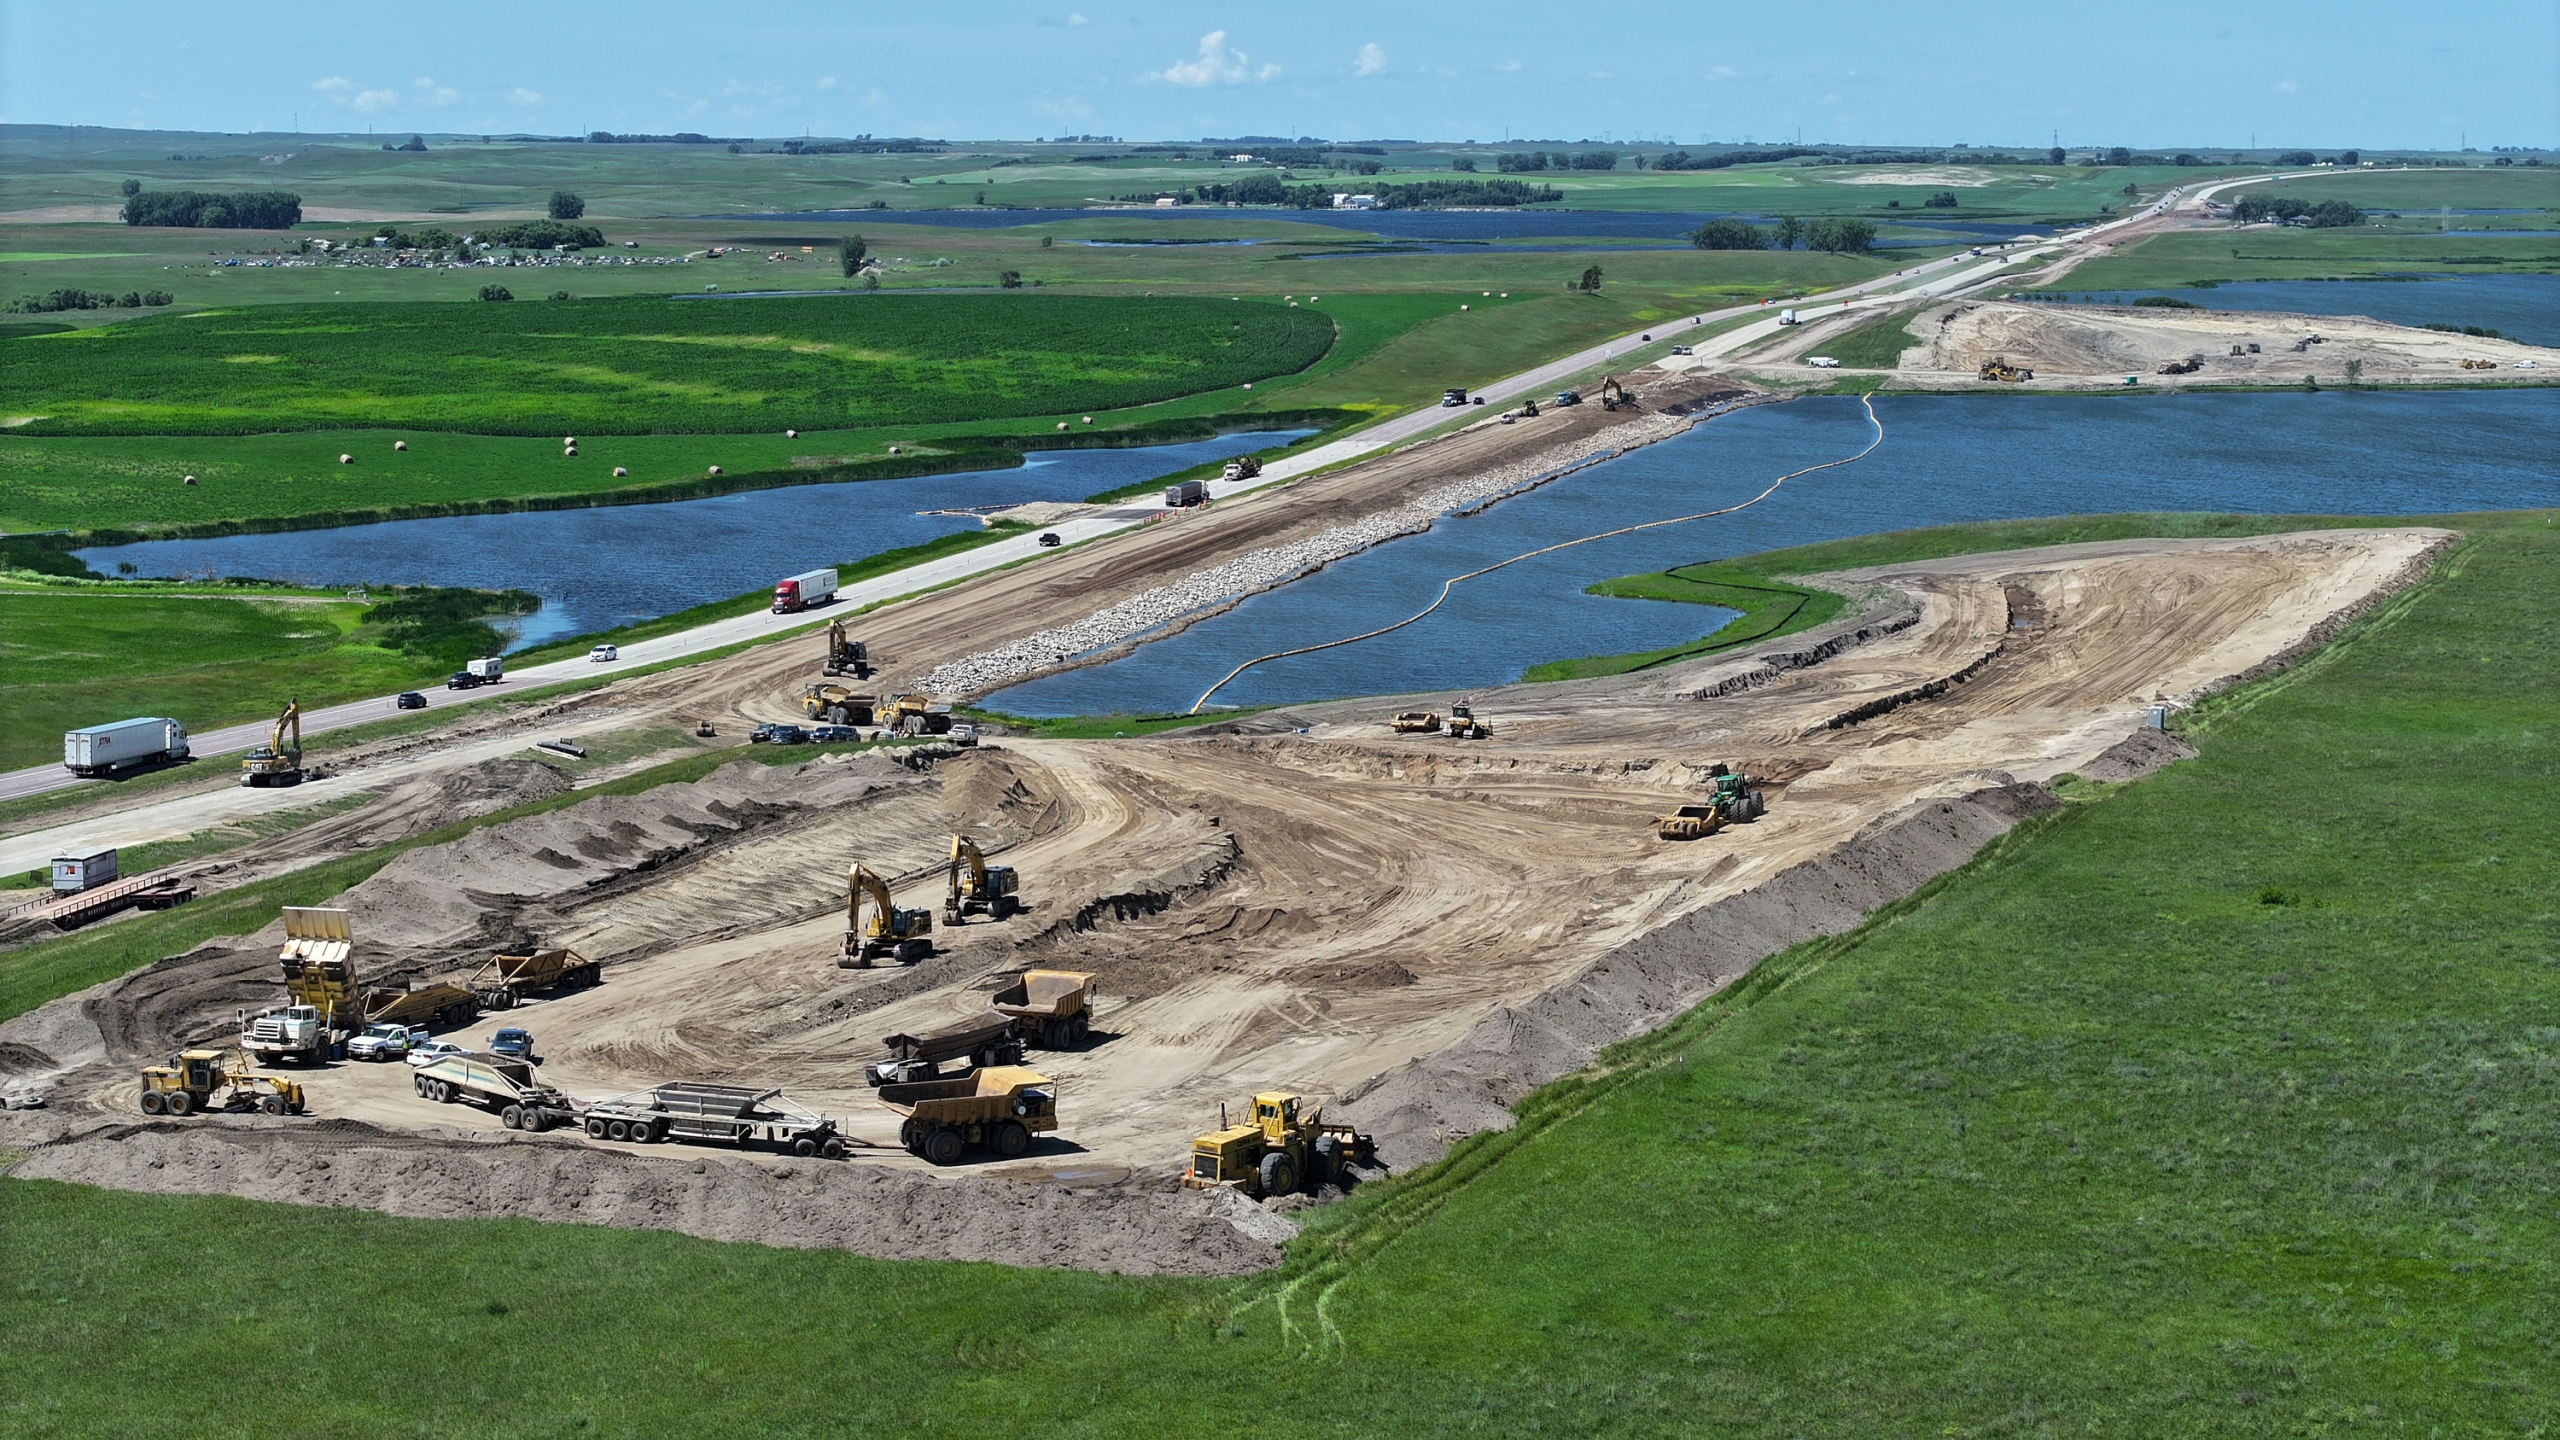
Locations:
column 834, row 734
column 762, row 733
column 964, row 733
column 1682, row 350
column 514, row 1043
column 463, row 680
column 411, row 700
column 386, row 1042
column 1049, row 540
column 434, row 1050
column 787, row 735
column 603, row 653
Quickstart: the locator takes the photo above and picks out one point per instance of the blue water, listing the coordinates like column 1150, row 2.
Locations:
column 2519, row 307
column 1503, row 224
column 612, row 565
column 1944, row 459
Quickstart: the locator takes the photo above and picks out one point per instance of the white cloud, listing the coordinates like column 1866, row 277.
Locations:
column 374, row 101
column 1076, row 19
column 334, row 85
column 1508, row 66
column 522, row 96
column 2287, row 87
column 1723, row 72
column 1373, row 61
column 1216, row 65
column 826, row 82
column 432, row 93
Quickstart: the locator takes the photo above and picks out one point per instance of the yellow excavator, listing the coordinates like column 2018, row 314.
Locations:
column 905, row 936
column 1613, row 395
column 978, row 888
column 277, row 763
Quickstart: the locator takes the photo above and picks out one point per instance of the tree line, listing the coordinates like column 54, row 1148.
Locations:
column 2327, row 215
column 1837, row 237
column 204, row 210
column 1266, row 188
column 67, row 299
column 1530, row 161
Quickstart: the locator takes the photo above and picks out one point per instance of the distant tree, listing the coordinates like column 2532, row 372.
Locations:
column 262, row 210
column 1641, row 161
column 418, row 146
column 1465, row 164
column 2330, row 214
column 130, row 188
column 157, row 297
column 565, row 206
column 496, row 292
column 1943, row 200
column 1590, row 283
column 2297, row 157
column 1729, row 235
column 2054, row 156
column 1596, row 160
column 132, row 300
column 2350, row 157
column 559, row 294
column 1840, row 237
column 851, row 249
column 1010, row 279
column 2187, row 159
column 1790, row 230
column 2130, row 189
column 2118, row 155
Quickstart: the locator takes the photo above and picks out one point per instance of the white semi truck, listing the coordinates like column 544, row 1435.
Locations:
column 106, row 749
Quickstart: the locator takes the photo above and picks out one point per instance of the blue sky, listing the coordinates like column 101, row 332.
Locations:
column 2172, row 73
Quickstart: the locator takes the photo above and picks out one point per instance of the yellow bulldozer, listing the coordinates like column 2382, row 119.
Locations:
column 1286, row 1147
column 903, row 935
column 1463, row 724
column 190, row 1081
column 978, row 888
column 1998, row 368
column 278, row 762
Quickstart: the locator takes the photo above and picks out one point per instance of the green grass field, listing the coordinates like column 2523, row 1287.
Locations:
column 2210, row 1105
column 646, row 366
column 1876, row 345
column 86, row 656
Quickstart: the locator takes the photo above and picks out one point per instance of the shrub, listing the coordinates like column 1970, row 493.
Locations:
column 1943, row 200
column 496, row 292
column 2167, row 302
column 1729, row 235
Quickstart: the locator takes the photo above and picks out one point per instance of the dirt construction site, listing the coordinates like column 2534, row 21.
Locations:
column 1412, row 929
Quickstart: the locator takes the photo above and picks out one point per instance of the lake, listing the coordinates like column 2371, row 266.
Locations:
column 2519, row 307
column 1944, row 459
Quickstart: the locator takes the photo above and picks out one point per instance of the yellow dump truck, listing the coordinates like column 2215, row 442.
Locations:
column 1048, row 1008
column 999, row 1109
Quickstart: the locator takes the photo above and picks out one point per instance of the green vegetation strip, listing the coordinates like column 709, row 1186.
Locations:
column 648, row 366
column 2216, row 1105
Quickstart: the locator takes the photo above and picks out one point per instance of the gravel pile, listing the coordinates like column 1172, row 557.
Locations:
column 1263, row 569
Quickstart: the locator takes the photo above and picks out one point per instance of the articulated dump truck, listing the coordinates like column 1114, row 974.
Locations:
column 1052, row 1009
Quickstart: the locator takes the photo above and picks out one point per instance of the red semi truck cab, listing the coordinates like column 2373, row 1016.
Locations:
column 802, row 591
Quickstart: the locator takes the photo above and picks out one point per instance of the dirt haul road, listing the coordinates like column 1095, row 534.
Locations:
column 1422, row 927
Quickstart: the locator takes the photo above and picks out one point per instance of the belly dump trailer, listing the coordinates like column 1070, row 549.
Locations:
column 702, row 1114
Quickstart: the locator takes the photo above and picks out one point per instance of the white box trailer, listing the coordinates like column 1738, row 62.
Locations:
column 105, row 749
column 815, row 587
column 75, row 873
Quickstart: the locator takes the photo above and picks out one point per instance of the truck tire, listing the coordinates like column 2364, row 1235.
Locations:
column 804, row 1147
column 1077, row 1029
column 838, row 715
column 1279, row 1173
column 179, row 1102
column 595, row 1128
column 272, row 1104
column 1053, row 1035
column 911, row 1137
column 617, row 1130
column 1325, row 1163
column 154, row 1103
column 835, row 1148
column 512, row 1117
column 944, row 1147
column 1012, row 1138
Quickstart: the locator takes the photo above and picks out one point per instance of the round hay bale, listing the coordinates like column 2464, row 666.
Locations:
column 346, row 459
column 619, row 472
column 715, row 469
column 399, row 444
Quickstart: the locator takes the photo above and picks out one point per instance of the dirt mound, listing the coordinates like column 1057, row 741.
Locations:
column 2137, row 755
column 1135, row 1227
column 494, row 785
column 1419, row 1110
column 2107, row 343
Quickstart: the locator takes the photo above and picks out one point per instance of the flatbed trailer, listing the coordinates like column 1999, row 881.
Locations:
column 706, row 1114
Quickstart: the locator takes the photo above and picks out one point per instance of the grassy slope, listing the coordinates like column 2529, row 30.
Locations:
column 2084, row 1139
column 82, row 657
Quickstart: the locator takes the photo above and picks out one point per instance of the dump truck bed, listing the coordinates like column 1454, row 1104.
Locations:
column 976, row 1098
column 953, row 1041
column 1046, row 995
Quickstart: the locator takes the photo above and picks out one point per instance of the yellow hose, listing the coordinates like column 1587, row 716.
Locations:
column 1447, row 585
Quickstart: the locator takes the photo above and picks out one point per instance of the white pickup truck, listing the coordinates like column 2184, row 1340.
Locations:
column 386, row 1042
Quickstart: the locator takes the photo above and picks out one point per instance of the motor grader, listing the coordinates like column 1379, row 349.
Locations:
column 1286, row 1147
column 903, row 935
column 191, row 1080
column 978, row 888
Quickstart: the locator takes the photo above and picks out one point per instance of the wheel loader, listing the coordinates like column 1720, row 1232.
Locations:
column 1286, row 1147
column 190, row 1081
column 978, row 888
column 903, row 935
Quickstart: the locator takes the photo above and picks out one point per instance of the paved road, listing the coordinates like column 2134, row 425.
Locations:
column 1934, row 279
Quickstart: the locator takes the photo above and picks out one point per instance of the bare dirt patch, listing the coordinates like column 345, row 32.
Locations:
column 2080, row 346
